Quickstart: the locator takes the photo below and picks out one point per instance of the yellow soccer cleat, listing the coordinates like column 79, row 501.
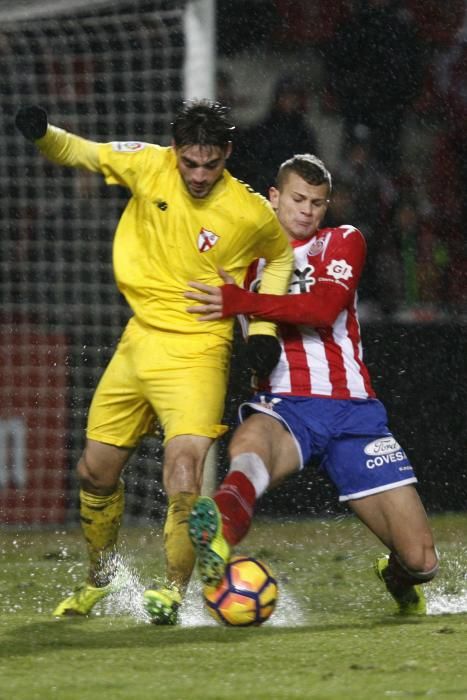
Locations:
column 162, row 605
column 82, row 600
column 212, row 550
column 411, row 600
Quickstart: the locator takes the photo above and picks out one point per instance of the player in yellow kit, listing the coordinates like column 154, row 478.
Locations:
column 186, row 218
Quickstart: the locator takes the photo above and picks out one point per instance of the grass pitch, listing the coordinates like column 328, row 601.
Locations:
column 333, row 635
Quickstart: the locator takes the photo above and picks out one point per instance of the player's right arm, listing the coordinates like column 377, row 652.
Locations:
column 57, row 145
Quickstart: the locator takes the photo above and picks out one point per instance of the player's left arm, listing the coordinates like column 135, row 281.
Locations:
column 118, row 162
column 65, row 148
column 56, row 144
column 333, row 290
column 274, row 247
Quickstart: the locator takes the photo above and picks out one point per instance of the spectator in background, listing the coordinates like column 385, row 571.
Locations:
column 310, row 22
column 444, row 103
column 373, row 65
column 423, row 257
column 225, row 93
column 412, row 263
column 363, row 195
column 437, row 22
column 284, row 130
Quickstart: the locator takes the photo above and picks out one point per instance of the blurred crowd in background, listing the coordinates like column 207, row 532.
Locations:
column 391, row 77
column 376, row 88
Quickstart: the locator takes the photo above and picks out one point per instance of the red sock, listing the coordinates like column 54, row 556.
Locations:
column 235, row 499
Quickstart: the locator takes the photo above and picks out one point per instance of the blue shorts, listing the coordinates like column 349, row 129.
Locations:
column 357, row 450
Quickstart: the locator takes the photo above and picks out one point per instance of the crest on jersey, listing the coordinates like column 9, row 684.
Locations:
column 316, row 246
column 206, row 240
column 339, row 269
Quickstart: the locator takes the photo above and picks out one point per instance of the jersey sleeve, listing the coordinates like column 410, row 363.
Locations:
column 335, row 287
column 122, row 162
column 275, row 249
column 64, row 148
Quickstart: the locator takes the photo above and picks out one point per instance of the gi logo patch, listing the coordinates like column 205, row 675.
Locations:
column 206, row 240
column 339, row 269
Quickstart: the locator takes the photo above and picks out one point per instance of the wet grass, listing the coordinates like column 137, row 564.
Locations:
column 333, row 635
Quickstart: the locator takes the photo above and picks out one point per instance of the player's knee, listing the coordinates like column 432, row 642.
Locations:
column 182, row 473
column 421, row 565
column 93, row 478
column 257, row 429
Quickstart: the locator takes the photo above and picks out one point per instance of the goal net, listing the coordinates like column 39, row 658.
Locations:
column 107, row 71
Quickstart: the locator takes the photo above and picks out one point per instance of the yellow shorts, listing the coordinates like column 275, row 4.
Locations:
column 176, row 380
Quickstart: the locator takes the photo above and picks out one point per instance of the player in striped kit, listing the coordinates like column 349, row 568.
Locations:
column 318, row 401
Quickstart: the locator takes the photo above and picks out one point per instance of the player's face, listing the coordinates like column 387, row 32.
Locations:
column 201, row 167
column 300, row 206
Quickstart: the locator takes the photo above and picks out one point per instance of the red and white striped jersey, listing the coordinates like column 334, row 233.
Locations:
column 319, row 329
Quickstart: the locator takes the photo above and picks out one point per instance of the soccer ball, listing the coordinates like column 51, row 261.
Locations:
column 247, row 594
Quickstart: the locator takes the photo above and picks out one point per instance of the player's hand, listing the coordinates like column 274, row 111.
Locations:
column 263, row 353
column 32, row 122
column 210, row 298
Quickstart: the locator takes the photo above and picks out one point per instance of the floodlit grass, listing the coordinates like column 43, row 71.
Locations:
column 333, row 635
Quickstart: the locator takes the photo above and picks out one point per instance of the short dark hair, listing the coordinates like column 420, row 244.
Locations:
column 203, row 123
column 309, row 167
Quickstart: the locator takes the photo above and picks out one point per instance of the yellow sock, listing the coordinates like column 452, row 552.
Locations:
column 101, row 517
column 179, row 551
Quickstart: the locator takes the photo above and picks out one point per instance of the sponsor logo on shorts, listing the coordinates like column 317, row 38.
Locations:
column 384, row 451
column 382, row 460
column 382, row 446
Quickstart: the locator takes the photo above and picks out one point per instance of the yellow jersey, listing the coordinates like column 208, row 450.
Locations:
column 166, row 237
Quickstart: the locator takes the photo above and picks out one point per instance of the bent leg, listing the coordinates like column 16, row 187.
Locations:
column 271, row 442
column 101, row 505
column 101, row 510
column 262, row 454
column 397, row 517
column 260, row 450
